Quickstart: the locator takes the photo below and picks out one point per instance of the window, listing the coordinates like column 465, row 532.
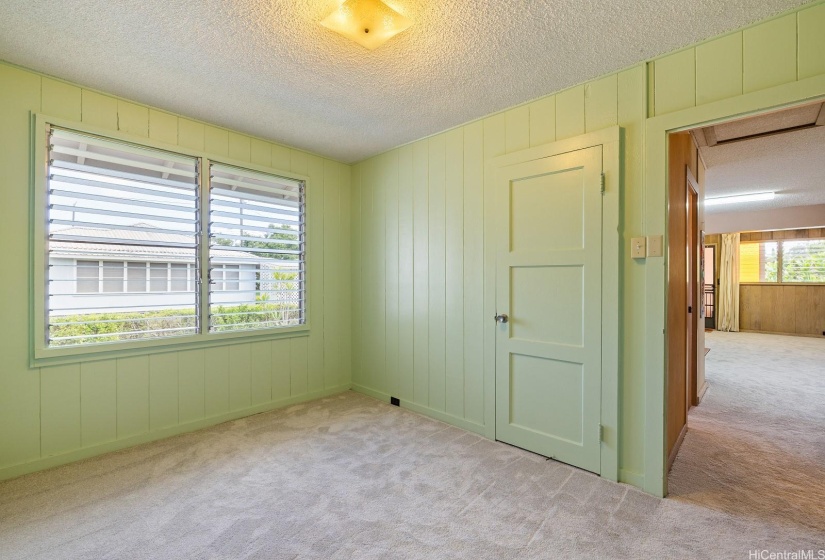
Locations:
column 785, row 261
column 110, row 199
column 127, row 260
column 256, row 221
column 803, row 260
column 88, row 277
column 758, row 262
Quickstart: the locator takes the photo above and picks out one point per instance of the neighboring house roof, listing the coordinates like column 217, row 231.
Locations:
column 82, row 249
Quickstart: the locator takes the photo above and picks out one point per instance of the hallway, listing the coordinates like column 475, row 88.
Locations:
column 755, row 446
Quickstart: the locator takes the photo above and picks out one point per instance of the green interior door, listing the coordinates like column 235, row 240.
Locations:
column 549, row 303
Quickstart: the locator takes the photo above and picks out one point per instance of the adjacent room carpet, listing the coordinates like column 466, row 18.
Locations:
column 755, row 446
column 351, row 477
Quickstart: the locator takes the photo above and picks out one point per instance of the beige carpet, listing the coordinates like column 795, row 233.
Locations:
column 350, row 477
column 755, row 447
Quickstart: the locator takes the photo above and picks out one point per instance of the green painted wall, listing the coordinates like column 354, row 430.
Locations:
column 420, row 224
column 55, row 414
column 399, row 286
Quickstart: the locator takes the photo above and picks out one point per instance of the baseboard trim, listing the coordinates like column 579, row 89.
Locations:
column 632, row 478
column 675, row 451
column 426, row 411
column 44, row 463
column 804, row 335
column 702, row 391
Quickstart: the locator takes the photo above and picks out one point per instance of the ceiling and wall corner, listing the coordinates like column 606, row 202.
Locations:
column 268, row 68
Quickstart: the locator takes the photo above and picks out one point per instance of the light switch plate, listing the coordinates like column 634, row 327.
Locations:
column 654, row 246
column 637, row 247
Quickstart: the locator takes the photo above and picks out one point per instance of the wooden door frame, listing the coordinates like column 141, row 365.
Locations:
column 808, row 90
column 694, row 246
column 611, row 140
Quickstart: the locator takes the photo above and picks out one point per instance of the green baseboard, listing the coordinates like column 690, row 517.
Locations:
column 426, row 411
column 116, row 445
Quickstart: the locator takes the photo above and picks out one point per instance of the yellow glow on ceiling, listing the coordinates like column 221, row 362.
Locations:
column 370, row 23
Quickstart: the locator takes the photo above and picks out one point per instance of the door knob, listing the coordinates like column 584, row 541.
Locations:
column 503, row 318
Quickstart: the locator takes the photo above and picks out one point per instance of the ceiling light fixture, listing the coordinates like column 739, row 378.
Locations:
column 739, row 198
column 370, row 23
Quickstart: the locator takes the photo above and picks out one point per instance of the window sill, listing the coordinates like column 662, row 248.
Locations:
column 106, row 351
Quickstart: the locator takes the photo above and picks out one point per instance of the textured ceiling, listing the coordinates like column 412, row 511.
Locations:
column 268, row 68
column 792, row 164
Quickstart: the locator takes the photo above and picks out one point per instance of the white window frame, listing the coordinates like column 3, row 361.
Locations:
column 40, row 353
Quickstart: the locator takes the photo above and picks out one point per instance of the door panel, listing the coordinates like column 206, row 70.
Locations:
column 548, row 355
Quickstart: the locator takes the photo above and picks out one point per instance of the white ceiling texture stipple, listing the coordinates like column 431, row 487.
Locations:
column 268, row 68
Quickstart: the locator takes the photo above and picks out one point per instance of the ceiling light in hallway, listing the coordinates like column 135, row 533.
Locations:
column 739, row 198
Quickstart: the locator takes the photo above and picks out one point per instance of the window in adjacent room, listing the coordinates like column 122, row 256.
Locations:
column 788, row 261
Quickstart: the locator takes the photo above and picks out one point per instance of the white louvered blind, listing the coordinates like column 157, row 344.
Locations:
column 256, row 250
column 803, row 260
column 123, row 237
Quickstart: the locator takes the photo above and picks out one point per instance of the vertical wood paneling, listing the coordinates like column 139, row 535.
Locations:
column 216, row 381
column 494, row 147
column 280, row 157
column 163, row 127
column 298, row 365
column 542, row 121
column 132, row 396
column 60, row 409
column 473, row 265
column 61, row 99
column 517, row 128
column 98, row 402
column 356, row 318
column 332, row 257
column 260, row 359
column 132, row 118
column 811, row 30
column 391, row 271
column 601, row 103
column 421, row 273
column 437, row 269
column 315, row 279
column 216, row 140
column 191, row 385
column 163, row 390
column 406, row 312
column 631, row 117
column 240, row 377
column 454, row 271
column 98, row 110
column 260, row 152
column 239, row 146
column 769, row 54
column 719, row 69
column 675, row 82
column 569, row 113
column 191, row 134
column 281, row 369
column 20, row 393
column 344, row 278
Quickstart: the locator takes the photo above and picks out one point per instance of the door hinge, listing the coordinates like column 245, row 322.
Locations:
column 601, row 433
column 602, row 183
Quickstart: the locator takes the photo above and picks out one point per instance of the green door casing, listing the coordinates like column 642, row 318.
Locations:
column 549, row 306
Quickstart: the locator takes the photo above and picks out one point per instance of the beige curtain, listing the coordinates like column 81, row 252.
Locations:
column 728, row 296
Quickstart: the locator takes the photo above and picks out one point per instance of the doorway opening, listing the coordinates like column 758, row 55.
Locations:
column 746, row 315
